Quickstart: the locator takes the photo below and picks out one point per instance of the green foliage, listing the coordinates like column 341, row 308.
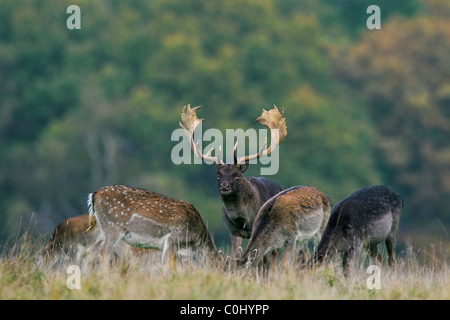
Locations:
column 404, row 78
column 80, row 109
column 351, row 16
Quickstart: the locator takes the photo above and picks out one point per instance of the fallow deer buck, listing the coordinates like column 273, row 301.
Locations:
column 146, row 219
column 293, row 215
column 365, row 218
column 241, row 197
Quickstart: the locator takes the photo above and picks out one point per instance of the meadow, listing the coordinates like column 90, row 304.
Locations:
column 24, row 275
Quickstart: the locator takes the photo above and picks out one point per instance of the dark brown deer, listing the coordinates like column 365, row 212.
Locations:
column 241, row 197
column 145, row 219
column 367, row 218
column 293, row 215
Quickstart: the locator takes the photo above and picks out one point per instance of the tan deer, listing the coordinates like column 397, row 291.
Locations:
column 146, row 219
column 241, row 197
column 293, row 215
column 70, row 238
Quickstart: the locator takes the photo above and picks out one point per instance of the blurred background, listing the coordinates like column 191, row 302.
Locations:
column 81, row 109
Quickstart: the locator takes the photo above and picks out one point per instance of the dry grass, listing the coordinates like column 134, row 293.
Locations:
column 24, row 275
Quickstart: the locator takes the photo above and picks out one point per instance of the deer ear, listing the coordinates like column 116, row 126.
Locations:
column 243, row 167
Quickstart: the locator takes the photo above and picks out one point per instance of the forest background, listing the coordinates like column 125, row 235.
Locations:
column 81, row 109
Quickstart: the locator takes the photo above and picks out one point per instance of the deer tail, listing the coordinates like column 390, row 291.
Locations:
column 92, row 220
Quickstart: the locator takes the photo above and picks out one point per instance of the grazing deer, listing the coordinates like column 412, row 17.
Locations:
column 295, row 214
column 70, row 238
column 147, row 219
column 241, row 197
column 365, row 218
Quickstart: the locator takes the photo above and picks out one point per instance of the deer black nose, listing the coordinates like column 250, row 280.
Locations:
column 224, row 187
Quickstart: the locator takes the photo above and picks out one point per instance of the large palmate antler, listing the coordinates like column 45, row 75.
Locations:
column 189, row 122
column 273, row 119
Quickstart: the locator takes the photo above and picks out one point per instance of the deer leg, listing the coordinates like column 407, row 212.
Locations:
column 109, row 238
column 350, row 257
column 316, row 239
column 80, row 251
column 275, row 255
column 167, row 251
column 96, row 247
column 375, row 255
column 236, row 243
column 264, row 265
column 390, row 245
column 168, row 255
column 109, row 248
column 270, row 261
column 303, row 254
column 288, row 252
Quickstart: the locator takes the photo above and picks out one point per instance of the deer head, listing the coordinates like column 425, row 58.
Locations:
column 230, row 178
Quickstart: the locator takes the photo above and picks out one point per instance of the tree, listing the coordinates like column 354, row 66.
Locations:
column 402, row 72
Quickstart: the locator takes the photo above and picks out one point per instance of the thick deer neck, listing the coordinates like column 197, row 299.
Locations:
column 244, row 203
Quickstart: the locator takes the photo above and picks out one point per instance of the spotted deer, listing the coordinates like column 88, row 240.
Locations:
column 146, row 219
column 366, row 218
column 293, row 215
column 241, row 196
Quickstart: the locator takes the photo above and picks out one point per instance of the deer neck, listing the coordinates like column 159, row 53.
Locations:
column 244, row 202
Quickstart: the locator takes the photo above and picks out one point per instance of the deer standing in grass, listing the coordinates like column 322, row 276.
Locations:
column 293, row 215
column 241, row 197
column 146, row 219
column 70, row 238
column 367, row 218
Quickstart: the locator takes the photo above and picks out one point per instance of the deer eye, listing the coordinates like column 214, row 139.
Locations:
column 236, row 178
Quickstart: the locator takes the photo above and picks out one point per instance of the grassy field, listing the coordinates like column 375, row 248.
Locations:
column 24, row 275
